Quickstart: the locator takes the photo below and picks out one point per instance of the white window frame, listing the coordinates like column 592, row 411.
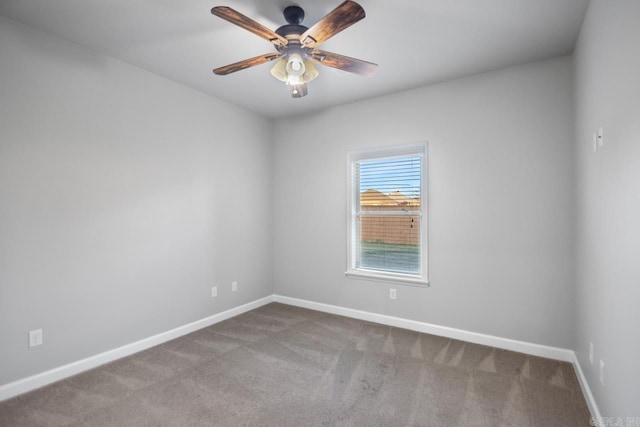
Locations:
column 353, row 198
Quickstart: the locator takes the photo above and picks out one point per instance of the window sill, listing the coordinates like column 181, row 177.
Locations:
column 388, row 278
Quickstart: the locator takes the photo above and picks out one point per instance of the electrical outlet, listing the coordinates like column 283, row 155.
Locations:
column 601, row 372
column 35, row 337
column 214, row 292
column 234, row 286
column 392, row 293
column 591, row 352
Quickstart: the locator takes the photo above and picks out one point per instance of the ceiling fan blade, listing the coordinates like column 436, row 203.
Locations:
column 343, row 16
column 252, row 62
column 345, row 63
column 248, row 24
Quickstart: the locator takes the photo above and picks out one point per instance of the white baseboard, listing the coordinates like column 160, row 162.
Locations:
column 556, row 353
column 39, row 380
column 505, row 343
column 586, row 391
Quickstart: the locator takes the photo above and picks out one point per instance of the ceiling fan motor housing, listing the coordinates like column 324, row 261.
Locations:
column 294, row 15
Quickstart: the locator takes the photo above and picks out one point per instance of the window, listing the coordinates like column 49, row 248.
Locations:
column 387, row 230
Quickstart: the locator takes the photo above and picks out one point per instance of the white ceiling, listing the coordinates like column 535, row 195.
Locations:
column 415, row 42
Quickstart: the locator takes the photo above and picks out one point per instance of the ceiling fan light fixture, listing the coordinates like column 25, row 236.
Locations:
column 310, row 72
column 295, row 65
column 279, row 71
column 296, row 73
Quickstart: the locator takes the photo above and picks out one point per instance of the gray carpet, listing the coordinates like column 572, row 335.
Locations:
column 285, row 366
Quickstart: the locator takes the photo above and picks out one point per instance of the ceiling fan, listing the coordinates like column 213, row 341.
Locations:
column 296, row 45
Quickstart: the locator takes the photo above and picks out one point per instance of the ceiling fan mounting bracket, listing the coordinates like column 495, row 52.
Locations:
column 293, row 15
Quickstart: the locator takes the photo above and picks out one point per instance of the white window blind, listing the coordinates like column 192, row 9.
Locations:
column 387, row 222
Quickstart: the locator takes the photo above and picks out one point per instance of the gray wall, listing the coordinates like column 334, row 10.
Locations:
column 123, row 198
column 500, row 202
column 607, row 92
